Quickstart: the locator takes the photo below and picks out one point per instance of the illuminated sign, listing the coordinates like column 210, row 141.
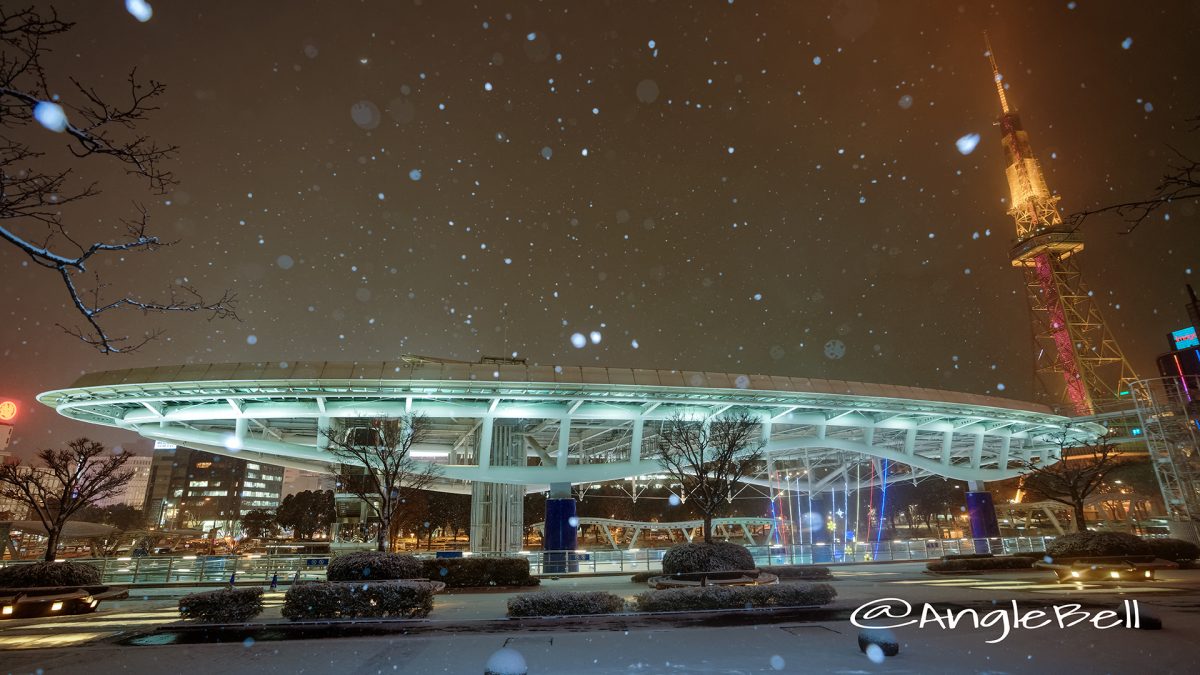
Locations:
column 163, row 445
column 8, row 410
column 1185, row 337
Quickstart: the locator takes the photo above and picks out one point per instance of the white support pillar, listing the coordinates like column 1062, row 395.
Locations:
column 910, row 441
column 484, row 460
column 1005, row 446
column 564, row 443
column 977, row 451
column 239, row 427
column 635, row 442
column 947, row 442
column 323, row 429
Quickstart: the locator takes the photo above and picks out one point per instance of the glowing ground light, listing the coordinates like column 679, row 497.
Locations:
column 8, row 411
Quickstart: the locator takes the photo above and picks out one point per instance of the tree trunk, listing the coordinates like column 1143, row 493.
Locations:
column 1080, row 521
column 381, row 540
column 52, row 543
column 708, row 528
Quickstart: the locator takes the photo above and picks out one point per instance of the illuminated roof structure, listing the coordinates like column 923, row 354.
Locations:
column 574, row 424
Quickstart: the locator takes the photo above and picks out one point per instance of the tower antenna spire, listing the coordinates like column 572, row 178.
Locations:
column 996, row 76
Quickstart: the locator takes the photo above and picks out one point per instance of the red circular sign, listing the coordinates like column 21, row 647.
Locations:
column 8, row 410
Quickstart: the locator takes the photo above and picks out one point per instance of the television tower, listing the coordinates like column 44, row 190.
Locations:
column 1078, row 359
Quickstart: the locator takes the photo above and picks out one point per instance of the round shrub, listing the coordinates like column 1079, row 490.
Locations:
column 1175, row 550
column 374, row 566
column 337, row 600
column 701, row 598
column 1091, row 544
column 479, row 571
column 716, row 557
column 564, row 603
column 38, row 574
column 228, row 605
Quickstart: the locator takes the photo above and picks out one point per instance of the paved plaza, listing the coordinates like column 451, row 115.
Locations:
column 465, row 628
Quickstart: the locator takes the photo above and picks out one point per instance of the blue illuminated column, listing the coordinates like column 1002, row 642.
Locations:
column 818, row 520
column 982, row 514
column 561, row 534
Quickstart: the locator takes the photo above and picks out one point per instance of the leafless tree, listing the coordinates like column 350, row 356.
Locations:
column 708, row 458
column 374, row 462
column 1075, row 477
column 70, row 479
column 37, row 189
column 1180, row 183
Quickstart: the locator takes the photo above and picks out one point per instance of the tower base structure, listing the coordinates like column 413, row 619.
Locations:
column 497, row 517
column 561, row 535
column 981, row 512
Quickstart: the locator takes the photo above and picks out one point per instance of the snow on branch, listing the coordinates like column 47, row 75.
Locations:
column 32, row 201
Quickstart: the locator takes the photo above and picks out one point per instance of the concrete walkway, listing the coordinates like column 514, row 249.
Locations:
column 797, row 646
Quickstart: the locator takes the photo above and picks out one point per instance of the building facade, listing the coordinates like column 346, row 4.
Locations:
column 134, row 494
column 192, row 489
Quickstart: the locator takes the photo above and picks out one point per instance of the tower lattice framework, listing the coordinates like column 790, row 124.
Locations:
column 1078, row 360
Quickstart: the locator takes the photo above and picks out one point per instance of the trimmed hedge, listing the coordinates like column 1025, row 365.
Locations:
column 564, row 603
column 351, row 600
column 971, row 564
column 481, row 571
column 1090, row 544
column 643, row 577
column 803, row 572
column 720, row 556
column 1175, row 550
column 230, row 605
column 735, row 597
column 37, row 574
column 374, row 566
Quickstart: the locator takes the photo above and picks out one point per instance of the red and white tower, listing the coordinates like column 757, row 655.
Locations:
column 1078, row 360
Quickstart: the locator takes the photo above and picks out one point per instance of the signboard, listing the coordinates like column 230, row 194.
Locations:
column 1182, row 338
column 163, row 445
column 5, row 435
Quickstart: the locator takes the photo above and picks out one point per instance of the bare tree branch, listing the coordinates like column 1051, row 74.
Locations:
column 708, row 458
column 374, row 462
column 1074, row 477
column 1180, row 183
column 69, row 480
column 35, row 200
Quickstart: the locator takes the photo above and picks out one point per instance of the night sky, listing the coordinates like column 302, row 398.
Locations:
column 722, row 186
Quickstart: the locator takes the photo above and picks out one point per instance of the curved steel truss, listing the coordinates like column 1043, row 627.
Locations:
column 573, row 425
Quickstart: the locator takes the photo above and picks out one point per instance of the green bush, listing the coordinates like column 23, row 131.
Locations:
column 1175, row 550
column 643, row 577
column 479, row 571
column 735, row 597
column 1092, row 544
column 349, row 600
column 37, row 574
column 230, row 605
column 719, row 556
column 805, row 572
column 374, row 566
column 970, row 564
column 564, row 603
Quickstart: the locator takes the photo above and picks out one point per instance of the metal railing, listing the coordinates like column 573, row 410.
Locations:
column 202, row 569
column 208, row 569
column 650, row 560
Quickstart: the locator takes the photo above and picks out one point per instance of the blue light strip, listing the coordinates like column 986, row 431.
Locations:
column 882, row 506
